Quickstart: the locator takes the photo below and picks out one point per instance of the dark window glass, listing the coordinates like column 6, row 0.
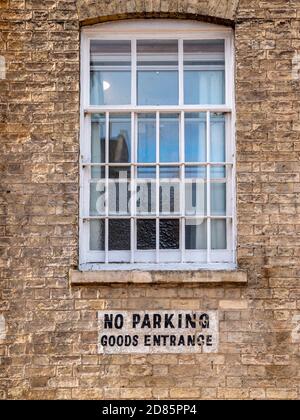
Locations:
column 146, row 234
column 169, row 234
column 119, row 235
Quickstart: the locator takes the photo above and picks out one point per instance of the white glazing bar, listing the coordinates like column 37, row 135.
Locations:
column 182, row 185
column 106, row 183
column 157, row 186
column 180, row 72
column 153, row 108
column 132, row 189
column 208, row 187
column 133, row 73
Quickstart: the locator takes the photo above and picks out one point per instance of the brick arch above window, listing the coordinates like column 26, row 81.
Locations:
column 218, row 11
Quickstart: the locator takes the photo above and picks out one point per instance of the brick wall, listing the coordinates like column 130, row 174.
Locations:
column 48, row 331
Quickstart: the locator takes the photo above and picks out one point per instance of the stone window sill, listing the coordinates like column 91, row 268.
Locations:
column 206, row 277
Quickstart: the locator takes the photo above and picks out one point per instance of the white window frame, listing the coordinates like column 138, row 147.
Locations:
column 134, row 30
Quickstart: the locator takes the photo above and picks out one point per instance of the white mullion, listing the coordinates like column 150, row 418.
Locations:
column 180, row 72
column 208, row 209
column 157, row 186
column 132, row 189
column 182, row 185
column 133, row 73
column 106, row 184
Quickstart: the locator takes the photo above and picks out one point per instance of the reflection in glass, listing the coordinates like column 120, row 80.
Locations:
column 195, row 234
column 169, row 190
column 97, row 143
column 195, row 190
column 97, row 197
column 97, row 235
column 169, row 138
column 218, row 172
column 169, row 234
column 218, row 199
column 119, row 190
column 110, row 68
column 119, row 138
column 146, row 138
column 157, row 72
column 146, row 190
column 195, row 137
column 217, row 138
column 204, row 72
column 146, row 234
column 218, row 234
column 116, row 240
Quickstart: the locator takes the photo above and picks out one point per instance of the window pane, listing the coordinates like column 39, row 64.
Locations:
column 195, row 190
column 116, row 240
column 146, row 190
column 97, row 235
column 157, row 76
column 195, row 137
column 218, row 234
column 169, row 138
column 195, row 234
column 97, row 143
column 169, row 234
column 217, row 139
column 97, row 197
column 169, row 190
column 218, row 199
column 146, row 234
column 119, row 190
column 218, row 172
column 110, row 66
column 146, row 138
column 204, row 72
column 120, row 138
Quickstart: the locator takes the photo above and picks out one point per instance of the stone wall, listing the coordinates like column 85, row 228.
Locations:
column 48, row 330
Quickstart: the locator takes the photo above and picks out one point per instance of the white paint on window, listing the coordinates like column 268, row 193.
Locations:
column 105, row 52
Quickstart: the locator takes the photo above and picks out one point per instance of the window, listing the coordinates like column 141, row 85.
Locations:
column 157, row 146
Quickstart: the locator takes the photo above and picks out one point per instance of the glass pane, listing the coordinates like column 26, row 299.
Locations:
column 195, row 190
column 169, row 234
column 146, row 234
column 97, row 172
column 218, row 234
column 97, row 235
column 116, row 240
column 119, row 190
column 120, row 138
column 218, row 199
column 146, row 190
column 146, row 172
column 97, row 197
column 169, row 138
column 110, row 65
column 157, row 72
column 217, row 130
column 146, row 138
column 169, row 172
column 195, row 137
column 195, row 234
column 169, row 190
column 204, row 72
column 218, row 172
column 97, row 143
column 119, row 172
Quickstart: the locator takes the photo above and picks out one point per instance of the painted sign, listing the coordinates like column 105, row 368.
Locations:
column 158, row 332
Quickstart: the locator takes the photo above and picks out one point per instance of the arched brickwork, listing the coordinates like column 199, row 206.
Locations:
column 219, row 11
